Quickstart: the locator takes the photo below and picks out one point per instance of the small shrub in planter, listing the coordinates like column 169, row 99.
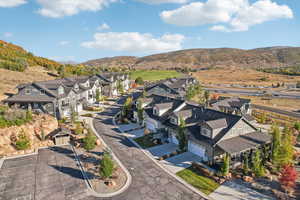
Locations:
column 23, row 142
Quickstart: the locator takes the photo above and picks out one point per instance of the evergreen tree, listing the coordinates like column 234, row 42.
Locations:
column 127, row 107
column 181, row 136
column 257, row 165
column 97, row 95
column 286, row 150
column 207, row 97
column 140, row 111
column 225, row 165
column 246, row 165
column 275, row 145
column 106, row 166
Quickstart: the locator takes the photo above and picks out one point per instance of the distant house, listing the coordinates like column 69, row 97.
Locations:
column 211, row 133
column 176, row 87
column 61, row 97
column 233, row 105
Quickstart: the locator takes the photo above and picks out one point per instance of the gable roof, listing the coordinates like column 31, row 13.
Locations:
column 218, row 123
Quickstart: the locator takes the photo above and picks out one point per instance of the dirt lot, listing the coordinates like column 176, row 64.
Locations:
column 242, row 77
column 10, row 79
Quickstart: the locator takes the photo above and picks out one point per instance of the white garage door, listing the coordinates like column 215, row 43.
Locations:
column 196, row 149
column 174, row 139
column 79, row 108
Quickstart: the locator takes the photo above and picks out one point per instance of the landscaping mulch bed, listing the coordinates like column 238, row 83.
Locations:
column 91, row 161
column 145, row 141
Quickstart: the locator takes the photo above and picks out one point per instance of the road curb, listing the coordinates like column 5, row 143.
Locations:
column 159, row 165
column 128, row 175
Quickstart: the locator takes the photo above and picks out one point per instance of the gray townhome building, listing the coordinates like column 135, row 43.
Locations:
column 211, row 133
column 61, row 97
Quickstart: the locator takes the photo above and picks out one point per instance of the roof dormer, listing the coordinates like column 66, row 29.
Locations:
column 60, row 90
column 160, row 109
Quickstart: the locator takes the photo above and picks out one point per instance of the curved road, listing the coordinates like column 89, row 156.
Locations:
column 149, row 182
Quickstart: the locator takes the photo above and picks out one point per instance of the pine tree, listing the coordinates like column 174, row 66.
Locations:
column 127, row 107
column 275, row 145
column 246, row 165
column 97, row 95
column 225, row 165
column 140, row 111
column 286, row 150
column 207, row 97
column 181, row 136
column 257, row 165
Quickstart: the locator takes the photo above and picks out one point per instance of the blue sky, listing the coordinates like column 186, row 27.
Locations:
column 80, row 30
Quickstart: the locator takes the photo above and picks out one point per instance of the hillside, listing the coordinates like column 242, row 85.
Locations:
column 203, row 58
column 15, row 58
column 10, row 79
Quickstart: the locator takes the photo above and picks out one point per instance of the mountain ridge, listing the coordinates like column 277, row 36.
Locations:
column 197, row 58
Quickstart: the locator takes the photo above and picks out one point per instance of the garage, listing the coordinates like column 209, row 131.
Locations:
column 196, row 149
column 150, row 125
column 79, row 107
column 174, row 139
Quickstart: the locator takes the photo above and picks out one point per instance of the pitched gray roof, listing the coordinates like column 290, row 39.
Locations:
column 218, row 123
column 164, row 105
column 244, row 142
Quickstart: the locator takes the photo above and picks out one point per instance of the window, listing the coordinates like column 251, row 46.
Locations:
column 206, row 132
column 42, row 92
column 27, row 91
column 173, row 121
column 155, row 112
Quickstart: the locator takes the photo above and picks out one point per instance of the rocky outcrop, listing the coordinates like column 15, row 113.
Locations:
column 33, row 130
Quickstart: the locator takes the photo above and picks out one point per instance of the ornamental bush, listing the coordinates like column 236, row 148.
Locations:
column 106, row 166
column 23, row 142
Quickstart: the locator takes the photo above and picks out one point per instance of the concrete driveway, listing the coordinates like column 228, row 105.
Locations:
column 233, row 191
column 128, row 127
column 161, row 150
column 136, row 133
column 180, row 162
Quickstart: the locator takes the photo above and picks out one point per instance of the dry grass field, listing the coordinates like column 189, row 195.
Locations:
column 242, row 77
column 10, row 79
column 284, row 104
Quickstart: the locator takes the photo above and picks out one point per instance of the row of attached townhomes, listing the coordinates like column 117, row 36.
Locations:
column 225, row 126
column 61, row 97
column 211, row 133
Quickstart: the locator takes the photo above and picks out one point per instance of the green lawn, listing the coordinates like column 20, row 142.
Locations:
column 154, row 75
column 145, row 141
column 202, row 183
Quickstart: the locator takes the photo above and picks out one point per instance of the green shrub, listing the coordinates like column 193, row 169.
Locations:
column 89, row 142
column 139, row 80
column 106, row 166
column 297, row 126
column 22, row 142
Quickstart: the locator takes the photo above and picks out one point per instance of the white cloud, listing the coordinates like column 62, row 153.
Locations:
column 234, row 15
column 64, row 43
column 135, row 42
column 219, row 28
column 11, row 3
column 8, row 34
column 162, row 1
column 103, row 26
column 61, row 8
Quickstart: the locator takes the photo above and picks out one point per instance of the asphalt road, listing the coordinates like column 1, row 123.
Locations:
column 149, row 181
column 254, row 93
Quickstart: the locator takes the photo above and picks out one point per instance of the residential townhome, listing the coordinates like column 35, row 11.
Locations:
column 61, row 97
column 113, row 82
column 233, row 105
column 176, row 87
column 211, row 133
